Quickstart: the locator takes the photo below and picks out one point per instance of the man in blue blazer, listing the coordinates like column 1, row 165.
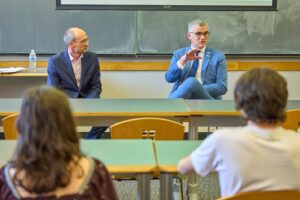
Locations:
column 76, row 71
column 199, row 72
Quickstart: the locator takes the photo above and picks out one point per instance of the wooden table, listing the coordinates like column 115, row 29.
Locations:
column 38, row 72
column 218, row 113
column 105, row 112
column 168, row 154
column 131, row 157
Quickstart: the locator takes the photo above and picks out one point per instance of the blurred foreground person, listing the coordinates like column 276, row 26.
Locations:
column 48, row 163
column 259, row 156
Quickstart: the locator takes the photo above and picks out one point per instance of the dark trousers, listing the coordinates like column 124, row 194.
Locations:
column 96, row 132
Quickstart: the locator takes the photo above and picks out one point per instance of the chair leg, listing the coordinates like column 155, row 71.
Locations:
column 181, row 187
column 208, row 131
column 192, row 187
column 178, row 184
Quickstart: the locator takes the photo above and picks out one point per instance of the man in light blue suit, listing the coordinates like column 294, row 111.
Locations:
column 76, row 71
column 198, row 72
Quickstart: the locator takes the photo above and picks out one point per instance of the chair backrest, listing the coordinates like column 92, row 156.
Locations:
column 153, row 128
column 9, row 127
column 292, row 119
column 266, row 195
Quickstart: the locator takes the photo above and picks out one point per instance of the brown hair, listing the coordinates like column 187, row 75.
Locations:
column 48, row 144
column 262, row 94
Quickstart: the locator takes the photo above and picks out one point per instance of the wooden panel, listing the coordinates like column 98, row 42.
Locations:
column 25, row 64
column 278, row 65
column 163, row 65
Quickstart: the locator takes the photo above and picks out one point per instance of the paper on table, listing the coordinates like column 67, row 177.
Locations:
column 11, row 70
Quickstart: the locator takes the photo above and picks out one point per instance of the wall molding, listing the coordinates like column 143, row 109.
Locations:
column 232, row 65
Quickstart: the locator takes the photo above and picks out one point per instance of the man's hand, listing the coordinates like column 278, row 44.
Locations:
column 190, row 55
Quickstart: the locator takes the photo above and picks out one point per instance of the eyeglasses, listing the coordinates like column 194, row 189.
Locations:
column 199, row 34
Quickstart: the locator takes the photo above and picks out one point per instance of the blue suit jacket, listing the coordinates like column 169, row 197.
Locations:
column 61, row 75
column 213, row 71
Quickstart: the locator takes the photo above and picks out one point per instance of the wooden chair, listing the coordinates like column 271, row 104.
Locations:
column 145, row 128
column 292, row 119
column 266, row 195
column 148, row 128
column 9, row 127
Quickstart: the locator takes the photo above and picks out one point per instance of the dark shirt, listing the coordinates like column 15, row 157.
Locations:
column 99, row 185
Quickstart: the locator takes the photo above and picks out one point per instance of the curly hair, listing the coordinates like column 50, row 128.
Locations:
column 262, row 95
column 48, row 144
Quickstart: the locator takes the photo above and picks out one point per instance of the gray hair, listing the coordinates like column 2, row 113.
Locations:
column 197, row 22
column 69, row 36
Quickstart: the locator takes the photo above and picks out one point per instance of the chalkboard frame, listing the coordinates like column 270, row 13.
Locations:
column 60, row 6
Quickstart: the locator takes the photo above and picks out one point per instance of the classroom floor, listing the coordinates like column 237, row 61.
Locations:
column 208, row 188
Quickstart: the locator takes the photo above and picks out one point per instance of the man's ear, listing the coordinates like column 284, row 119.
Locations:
column 188, row 35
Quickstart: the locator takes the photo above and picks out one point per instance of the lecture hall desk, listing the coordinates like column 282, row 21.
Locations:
column 129, row 157
column 220, row 113
column 105, row 112
column 168, row 155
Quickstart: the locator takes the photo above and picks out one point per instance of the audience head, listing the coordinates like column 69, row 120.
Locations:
column 76, row 40
column 198, row 33
column 48, row 142
column 261, row 95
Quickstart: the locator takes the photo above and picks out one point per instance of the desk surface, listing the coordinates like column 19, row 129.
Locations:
column 126, row 156
column 38, row 72
column 211, row 107
column 113, row 107
column 7, row 148
column 143, row 107
column 130, row 107
column 223, row 107
column 120, row 156
column 293, row 104
column 170, row 152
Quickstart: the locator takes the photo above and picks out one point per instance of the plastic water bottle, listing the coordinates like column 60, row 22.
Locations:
column 32, row 60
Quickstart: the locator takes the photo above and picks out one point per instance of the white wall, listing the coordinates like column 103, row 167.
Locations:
column 133, row 84
column 144, row 84
column 292, row 78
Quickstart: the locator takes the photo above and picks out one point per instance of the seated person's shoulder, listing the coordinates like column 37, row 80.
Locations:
column 215, row 51
column 91, row 54
column 224, row 134
column 181, row 51
column 58, row 56
column 102, row 181
column 292, row 135
column 99, row 166
column 2, row 178
column 4, row 188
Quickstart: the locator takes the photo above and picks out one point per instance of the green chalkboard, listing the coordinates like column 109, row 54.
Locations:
column 36, row 24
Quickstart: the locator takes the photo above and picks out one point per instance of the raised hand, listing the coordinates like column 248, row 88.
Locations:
column 190, row 55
